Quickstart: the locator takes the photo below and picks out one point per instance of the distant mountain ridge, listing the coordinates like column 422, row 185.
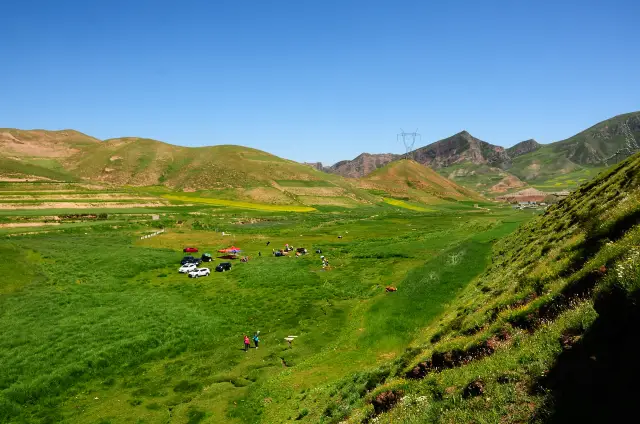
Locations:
column 483, row 166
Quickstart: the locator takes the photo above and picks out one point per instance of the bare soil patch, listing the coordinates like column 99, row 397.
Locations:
column 27, row 224
column 507, row 183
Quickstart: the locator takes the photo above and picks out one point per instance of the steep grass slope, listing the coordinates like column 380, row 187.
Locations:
column 545, row 334
column 407, row 179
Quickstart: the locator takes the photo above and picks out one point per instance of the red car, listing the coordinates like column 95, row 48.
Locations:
column 189, row 250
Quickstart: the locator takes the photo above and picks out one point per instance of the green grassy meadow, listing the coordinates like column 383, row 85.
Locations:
column 98, row 326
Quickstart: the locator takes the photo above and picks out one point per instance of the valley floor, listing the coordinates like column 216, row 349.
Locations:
column 98, row 326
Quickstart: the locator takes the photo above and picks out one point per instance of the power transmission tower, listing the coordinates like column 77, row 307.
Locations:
column 409, row 140
column 630, row 147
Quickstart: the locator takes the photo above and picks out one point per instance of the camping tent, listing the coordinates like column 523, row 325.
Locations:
column 231, row 249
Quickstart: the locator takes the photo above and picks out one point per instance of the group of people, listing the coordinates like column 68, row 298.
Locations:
column 247, row 342
column 283, row 252
column 325, row 262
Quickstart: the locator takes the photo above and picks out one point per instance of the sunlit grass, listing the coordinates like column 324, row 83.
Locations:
column 405, row 205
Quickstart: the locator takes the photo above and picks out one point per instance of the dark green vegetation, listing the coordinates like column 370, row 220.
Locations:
column 98, row 326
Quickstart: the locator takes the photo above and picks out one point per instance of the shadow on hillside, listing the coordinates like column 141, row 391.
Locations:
column 597, row 379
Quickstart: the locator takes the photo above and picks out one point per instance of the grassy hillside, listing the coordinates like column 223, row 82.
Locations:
column 219, row 172
column 32, row 169
column 40, row 154
column 138, row 161
column 482, row 178
column 544, row 334
column 407, row 179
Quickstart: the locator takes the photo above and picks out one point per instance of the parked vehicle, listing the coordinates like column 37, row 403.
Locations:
column 190, row 260
column 206, row 257
column 190, row 250
column 224, row 266
column 187, row 268
column 199, row 272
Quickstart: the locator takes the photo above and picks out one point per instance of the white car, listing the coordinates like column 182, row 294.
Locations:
column 187, row 268
column 199, row 272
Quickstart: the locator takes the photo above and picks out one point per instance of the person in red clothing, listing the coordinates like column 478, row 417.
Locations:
column 247, row 342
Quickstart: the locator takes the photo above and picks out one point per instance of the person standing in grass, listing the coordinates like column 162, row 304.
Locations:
column 256, row 339
column 246, row 343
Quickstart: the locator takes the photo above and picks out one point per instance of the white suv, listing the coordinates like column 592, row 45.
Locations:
column 187, row 268
column 199, row 272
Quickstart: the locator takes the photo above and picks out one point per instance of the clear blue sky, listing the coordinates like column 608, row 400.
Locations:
column 318, row 80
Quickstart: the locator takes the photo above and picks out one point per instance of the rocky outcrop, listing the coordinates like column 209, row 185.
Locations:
column 315, row 165
column 362, row 165
column 523, row 148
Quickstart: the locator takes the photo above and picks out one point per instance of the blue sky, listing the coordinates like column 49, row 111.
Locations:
column 318, row 80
